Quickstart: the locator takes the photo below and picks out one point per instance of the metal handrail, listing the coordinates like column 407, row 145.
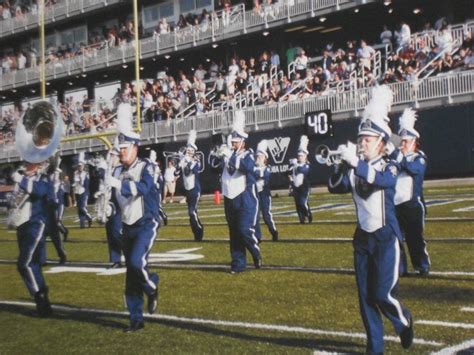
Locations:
column 446, row 86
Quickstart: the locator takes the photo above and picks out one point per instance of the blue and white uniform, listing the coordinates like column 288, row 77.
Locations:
column 81, row 189
column 410, row 208
column 60, row 210
column 137, row 202
column 31, row 220
column 300, row 184
column 241, row 206
column 262, row 176
column 376, row 244
column 189, row 169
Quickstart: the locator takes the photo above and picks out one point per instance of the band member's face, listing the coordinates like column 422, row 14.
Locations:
column 190, row 152
column 80, row 167
column 301, row 158
column 128, row 155
column 407, row 146
column 31, row 168
column 238, row 145
column 260, row 160
column 371, row 147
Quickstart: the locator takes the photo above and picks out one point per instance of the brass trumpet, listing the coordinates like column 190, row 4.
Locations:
column 326, row 156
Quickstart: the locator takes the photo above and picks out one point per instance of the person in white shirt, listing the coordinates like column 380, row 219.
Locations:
column 365, row 54
column 21, row 61
column 200, row 73
column 386, row 35
column 404, row 36
column 170, row 181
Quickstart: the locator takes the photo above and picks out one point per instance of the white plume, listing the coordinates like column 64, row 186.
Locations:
column 125, row 119
column 153, row 156
column 239, row 122
column 262, row 146
column 82, row 158
column 192, row 137
column 303, row 143
column 379, row 105
column 407, row 119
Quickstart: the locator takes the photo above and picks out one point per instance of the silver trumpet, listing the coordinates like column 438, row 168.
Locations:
column 326, row 156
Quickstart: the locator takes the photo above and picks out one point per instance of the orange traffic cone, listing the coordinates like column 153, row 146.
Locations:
column 217, row 197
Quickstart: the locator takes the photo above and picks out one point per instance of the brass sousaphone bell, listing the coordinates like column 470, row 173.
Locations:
column 38, row 132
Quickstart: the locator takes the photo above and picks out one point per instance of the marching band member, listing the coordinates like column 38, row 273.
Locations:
column 136, row 198
column 81, row 190
column 371, row 177
column 262, row 175
column 30, row 219
column 409, row 201
column 158, row 178
column 189, row 168
column 53, row 212
column 240, row 196
column 300, row 183
column 61, row 197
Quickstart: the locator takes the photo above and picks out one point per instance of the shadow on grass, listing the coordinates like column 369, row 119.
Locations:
column 107, row 321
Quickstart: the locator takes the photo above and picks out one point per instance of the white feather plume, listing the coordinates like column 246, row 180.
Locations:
column 153, row 156
column 303, row 143
column 239, row 122
column 262, row 146
column 125, row 119
column 407, row 119
column 379, row 105
column 192, row 137
column 82, row 158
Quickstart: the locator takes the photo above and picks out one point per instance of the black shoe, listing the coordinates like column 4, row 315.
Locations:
column 407, row 335
column 134, row 326
column 257, row 262
column 153, row 302
column 89, row 223
column 275, row 236
column 165, row 220
column 62, row 259
column 42, row 303
column 310, row 218
column 115, row 265
column 423, row 272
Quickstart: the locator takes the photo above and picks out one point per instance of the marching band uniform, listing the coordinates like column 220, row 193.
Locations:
column 300, row 183
column 409, row 201
column 159, row 182
column 372, row 180
column 240, row 197
column 31, row 220
column 81, row 190
column 52, row 226
column 60, row 210
column 136, row 198
column 262, row 174
column 189, row 167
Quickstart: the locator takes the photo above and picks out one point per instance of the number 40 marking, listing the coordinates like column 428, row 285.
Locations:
column 319, row 123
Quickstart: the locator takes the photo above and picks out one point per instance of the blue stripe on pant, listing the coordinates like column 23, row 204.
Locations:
column 265, row 203
column 192, row 198
column 376, row 263
column 137, row 242
column 82, row 209
column 301, row 196
column 113, row 229
column 31, row 243
column 241, row 214
column 411, row 217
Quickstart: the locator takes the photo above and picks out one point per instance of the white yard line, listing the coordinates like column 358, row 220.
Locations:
column 467, row 309
column 454, row 349
column 445, row 324
column 223, row 323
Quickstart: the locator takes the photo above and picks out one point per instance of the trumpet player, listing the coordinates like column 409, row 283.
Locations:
column 262, row 175
column 189, row 168
column 371, row 177
column 136, row 198
column 240, row 195
column 300, row 182
column 31, row 218
column 409, row 201
column 81, row 190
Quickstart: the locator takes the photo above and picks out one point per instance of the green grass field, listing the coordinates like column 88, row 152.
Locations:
column 303, row 300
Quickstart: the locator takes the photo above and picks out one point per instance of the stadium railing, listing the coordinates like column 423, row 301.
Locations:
column 445, row 86
column 60, row 10
column 228, row 25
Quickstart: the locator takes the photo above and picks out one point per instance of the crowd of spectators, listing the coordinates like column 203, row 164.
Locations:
column 18, row 8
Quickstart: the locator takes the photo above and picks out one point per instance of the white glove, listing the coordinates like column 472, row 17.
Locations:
column 114, row 182
column 293, row 161
column 182, row 163
column 108, row 210
column 229, row 141
column 225, row 151
column 389, row 148
column 17, row 177
column 349, row 154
